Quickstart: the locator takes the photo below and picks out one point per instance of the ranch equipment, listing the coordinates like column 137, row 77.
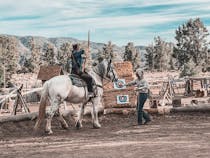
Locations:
column 19, row 100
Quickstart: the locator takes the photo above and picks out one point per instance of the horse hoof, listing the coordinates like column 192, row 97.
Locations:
column 65, row 126
column 96, row 126
column 49, row 132
column 78, row 125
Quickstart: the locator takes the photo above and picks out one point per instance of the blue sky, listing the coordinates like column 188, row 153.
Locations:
column 120, row 21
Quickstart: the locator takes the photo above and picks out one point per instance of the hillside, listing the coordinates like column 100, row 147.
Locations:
column 24, row 48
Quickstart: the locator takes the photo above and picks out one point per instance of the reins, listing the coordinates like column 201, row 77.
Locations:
column 102, row 77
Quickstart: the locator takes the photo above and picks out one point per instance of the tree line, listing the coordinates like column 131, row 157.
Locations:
column 189, row 54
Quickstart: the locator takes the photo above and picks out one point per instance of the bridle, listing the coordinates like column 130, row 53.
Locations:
column 110, row 69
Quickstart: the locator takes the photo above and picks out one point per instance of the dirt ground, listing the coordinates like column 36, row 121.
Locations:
column 169, row 136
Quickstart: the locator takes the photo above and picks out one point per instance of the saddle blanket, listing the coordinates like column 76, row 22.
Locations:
column 77, row 81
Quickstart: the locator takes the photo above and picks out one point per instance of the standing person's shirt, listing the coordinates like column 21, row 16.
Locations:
column 142, row 85
column 78, row 62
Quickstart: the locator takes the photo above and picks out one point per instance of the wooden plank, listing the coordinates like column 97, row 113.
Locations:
column 197, row 108
column 34, row 115
column 126, row 111
column 14, row 95
column 22, row 117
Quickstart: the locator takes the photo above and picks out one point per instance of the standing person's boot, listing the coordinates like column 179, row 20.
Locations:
column 146, row 118
column 140, row 122
column 147, row 122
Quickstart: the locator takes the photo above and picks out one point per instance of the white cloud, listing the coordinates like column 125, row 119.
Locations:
column 167, row 2
column 66, row 17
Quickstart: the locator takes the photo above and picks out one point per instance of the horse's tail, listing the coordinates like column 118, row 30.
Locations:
column 42, row 107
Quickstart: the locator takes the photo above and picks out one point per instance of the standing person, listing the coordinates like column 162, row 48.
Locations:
column 77, row 68
column 142, row 89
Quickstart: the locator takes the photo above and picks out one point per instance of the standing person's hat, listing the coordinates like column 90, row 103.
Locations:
column 139, row 72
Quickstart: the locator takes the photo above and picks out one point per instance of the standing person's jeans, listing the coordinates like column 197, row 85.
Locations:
column 142, row 97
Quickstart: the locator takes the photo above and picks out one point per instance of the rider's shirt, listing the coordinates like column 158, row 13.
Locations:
column 78, row 62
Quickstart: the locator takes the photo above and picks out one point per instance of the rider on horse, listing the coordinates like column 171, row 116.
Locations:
column 77, row 68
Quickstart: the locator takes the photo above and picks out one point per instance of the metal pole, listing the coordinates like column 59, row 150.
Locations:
column 88, row 52
column 88, row 41
column 4, row 72
column 4, row 69
column 4, row 75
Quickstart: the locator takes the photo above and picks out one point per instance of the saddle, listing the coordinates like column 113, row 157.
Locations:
column 81, row 82
column 77, row 81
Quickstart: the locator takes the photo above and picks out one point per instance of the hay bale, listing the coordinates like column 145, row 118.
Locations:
column 124, row 69
column 110, row 98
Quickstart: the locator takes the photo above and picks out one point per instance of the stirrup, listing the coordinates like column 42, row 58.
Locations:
column 90, row 94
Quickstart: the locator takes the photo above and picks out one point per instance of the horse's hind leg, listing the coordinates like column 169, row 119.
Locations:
column 80, row 117
column 64, row 125
column 54, row 107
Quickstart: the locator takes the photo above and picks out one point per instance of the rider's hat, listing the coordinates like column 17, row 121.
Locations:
column 75, row 46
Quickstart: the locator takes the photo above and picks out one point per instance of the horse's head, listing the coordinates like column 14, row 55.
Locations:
column 105, row 69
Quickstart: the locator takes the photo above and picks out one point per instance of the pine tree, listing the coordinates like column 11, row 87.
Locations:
column 32, row 64
column 64, row 54
column 48, row 58
column 35, row 55
column 130, row 51
column 137, row 60
column 108, row 50
column 191, row 43
column 159, row 55
column 8, row 56
column 133, row 55
column 149, row 56
column 188, row 69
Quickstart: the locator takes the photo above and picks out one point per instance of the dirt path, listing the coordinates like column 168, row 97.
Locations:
column 176, row 136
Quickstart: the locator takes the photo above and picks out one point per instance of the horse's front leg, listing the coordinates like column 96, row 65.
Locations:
column 96, row 102
column 64, row 125
column 64, row 105
column 80, row 116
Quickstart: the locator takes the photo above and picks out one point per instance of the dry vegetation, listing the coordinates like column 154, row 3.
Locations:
column 174, row 135
column 168, row 136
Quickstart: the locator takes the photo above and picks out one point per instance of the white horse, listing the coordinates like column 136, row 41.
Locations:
column 60, row 88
